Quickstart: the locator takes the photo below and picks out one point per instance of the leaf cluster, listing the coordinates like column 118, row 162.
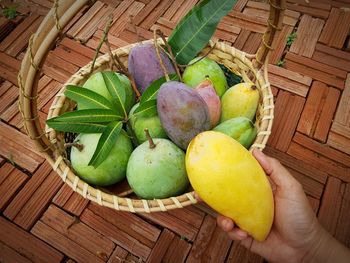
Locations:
column 281, row 63
column 10, row 12
column 101, row 116
column 291, row 38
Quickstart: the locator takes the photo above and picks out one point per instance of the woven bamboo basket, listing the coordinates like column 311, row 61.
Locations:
column 49, row 142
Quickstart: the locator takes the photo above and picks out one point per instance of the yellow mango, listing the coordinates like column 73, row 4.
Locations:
column 230, row 180
column 241, row 100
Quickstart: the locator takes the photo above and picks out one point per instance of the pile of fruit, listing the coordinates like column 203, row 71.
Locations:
column 196, row 130
column 165, row 129
column 151, row 145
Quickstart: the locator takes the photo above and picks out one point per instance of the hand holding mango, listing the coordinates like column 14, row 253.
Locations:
column 296, row 235
column 231, row 181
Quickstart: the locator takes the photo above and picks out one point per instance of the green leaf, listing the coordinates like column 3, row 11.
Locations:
column 152, row 90
column 88, row 116
column 194, row 8
column 106, row 143
column 194, row 31
column 147, row 109
column 116, row 90
column 87, row 97
column 232, row 78
column 280, row 63
column 10, row 12
column 77, row 127
column 291, row 38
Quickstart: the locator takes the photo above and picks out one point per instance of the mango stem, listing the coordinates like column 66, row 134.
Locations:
column 79, row 146
column 150, row 140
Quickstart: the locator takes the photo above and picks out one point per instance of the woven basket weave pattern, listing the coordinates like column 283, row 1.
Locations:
column 51, row 142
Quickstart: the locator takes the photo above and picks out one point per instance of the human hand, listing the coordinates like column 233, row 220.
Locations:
column 295, row 231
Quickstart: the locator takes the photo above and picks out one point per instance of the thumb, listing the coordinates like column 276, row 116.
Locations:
column 273, row 168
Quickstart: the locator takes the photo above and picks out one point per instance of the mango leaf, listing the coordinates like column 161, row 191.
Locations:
column 87, row 97
column 232, row 78
column 189, row 13
column 116, row 90
column 106, row 143
column 147, row 109
column 77, row 127
column 194, row 31
column 152, row 90
column 88, row 116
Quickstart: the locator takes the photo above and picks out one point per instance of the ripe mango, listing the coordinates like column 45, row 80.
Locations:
column 231, row 181
column 241, row 100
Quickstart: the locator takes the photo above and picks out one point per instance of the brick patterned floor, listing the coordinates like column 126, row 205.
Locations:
column 43, row 220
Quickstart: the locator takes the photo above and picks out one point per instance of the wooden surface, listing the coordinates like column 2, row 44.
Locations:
column 43, row 220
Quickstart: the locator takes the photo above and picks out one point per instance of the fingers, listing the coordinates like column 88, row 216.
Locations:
column 242, row 236
column 225, row 223
column 263, row 161
column 237, row 234
column 277, row 172
column 228, row 226
column 199, row 199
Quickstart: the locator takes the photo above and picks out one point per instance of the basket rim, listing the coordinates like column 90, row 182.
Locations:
column 229, row 56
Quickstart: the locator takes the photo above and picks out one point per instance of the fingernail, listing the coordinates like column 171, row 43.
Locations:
column 259, row 153
column 242, row 234
column 198, row 198
column 226, row 224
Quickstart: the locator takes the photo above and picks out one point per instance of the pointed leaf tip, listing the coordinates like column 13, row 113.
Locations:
column 116, row 90
column 194, row 31
column 106, row 143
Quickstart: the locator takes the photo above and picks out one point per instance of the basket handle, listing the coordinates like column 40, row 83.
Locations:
column 39, row 46
column 274, row 24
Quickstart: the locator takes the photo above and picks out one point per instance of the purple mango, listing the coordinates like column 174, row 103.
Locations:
column 144, row 65
column 182, row 112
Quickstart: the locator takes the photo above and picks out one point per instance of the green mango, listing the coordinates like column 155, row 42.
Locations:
column 205, row 68
column 157, row 170
column 111, row 170
column 97, row 84
column 241, row 129
column 139, row 124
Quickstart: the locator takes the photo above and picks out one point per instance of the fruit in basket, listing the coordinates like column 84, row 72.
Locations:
column 111, row 170
column 97, row 84
column 140, row 123
column 241, row 129
column 156, row 169
column 230, row 180
column 206, row 90
column 201, row 68
column 241, row 100
column 182, row 112
column 145, row 67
